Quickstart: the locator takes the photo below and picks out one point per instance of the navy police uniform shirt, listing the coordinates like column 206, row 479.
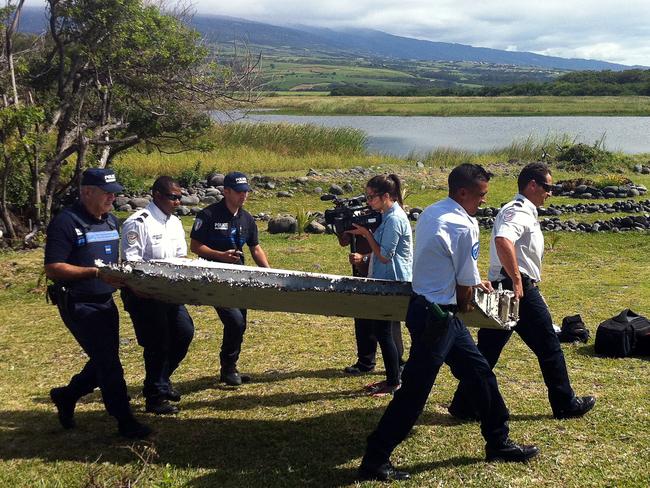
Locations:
column 220, row 230
column 78, row 238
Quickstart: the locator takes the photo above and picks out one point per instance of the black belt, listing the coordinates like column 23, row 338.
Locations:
column 453, row 308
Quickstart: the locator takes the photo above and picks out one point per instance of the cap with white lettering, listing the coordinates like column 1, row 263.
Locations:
column 237, row 181
column 103, row 178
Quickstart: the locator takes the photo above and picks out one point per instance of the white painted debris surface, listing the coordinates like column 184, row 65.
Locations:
column 201, row 282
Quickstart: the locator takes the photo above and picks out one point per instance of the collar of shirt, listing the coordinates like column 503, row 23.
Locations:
column 528, row 205
column 458, row 208
column 158, row 214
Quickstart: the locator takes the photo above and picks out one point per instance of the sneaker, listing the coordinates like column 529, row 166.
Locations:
column 64, row 405
column 357, row 369
column 579, row 407
column 132, row 429
column 510, row 452
column 383, row 472
column 160, row 406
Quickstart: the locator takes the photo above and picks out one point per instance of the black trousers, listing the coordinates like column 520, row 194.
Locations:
column 454, row 346
column 165, row 331
column 383, row 331
column 364, row 333
column 94, row 323
column 234, row 326
column 535, row 327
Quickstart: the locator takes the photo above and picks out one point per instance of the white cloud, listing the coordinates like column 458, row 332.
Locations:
column 609, row 30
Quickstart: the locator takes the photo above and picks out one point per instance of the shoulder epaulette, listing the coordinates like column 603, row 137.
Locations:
column 140, row 218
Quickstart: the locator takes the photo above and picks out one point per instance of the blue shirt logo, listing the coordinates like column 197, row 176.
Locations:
column 108, row 249
column 475, row 249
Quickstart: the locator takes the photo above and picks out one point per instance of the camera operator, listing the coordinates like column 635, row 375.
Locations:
column 390, row 258
column 363, row 329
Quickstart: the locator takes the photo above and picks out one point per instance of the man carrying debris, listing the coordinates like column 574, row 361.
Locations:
column 444, row 274
column 219, row 234
column 164, row 330
column 516, row 250
column 76, row 238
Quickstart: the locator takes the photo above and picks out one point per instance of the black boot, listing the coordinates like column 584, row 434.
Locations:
column 130, row 428
column 65, row 404
column 381, row 472
column 579, row 407
column 160, row 406
column 510, row 452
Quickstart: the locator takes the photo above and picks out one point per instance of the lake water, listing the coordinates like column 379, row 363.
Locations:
column 400, row 136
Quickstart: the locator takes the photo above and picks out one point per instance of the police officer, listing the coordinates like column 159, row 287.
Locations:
column 164, row 330
column 77, row 237
column 363, row 328
column 516, row 250
column 444, row 274
column 219, row 234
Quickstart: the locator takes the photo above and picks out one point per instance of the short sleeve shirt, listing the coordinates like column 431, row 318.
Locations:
column 76, row 237
column 216, row 227
column 446, row 252
column 517, row 222
column 151, row 234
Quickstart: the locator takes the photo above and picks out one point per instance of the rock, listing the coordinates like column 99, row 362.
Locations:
column 283, row 224
column 638, row 168
column 269, row 185
column 585, row 195
column 318, row 190
column 419, row 164
column 315, row 227
column 284, row 194
column 120, row 201
column 209, row 200
column 336, row 190
column 215, row 179
column 313, row 172
column 195, row 210
column 581, row 188
column 348, row 187
column 414, row 215
column 302, row 180
column 212, row 192
column 190, row 200
column 645, row 170
column 125, row 208
column 138, row 202
column 633, row 192
column 182, row 210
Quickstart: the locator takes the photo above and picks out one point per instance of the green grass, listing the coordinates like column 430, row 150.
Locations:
column 460, row 106
column 302, row 422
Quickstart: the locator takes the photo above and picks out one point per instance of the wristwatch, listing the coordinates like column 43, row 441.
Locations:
column 365, row 258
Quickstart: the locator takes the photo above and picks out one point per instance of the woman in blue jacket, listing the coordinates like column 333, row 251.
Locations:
column 391, row 259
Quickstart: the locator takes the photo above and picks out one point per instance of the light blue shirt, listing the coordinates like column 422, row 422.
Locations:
column 394, row 237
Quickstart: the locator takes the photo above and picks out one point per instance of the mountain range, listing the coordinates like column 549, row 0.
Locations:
column 354, row 42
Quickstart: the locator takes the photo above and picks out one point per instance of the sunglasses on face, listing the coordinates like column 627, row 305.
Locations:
column 172, row 197
column 547, row 188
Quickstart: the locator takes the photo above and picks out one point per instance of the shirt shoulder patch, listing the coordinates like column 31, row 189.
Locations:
column 475, row 251
column 131, row 237
column 508, row 215
column 198, row 222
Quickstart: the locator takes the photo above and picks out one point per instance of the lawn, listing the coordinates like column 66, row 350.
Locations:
column 301, row 422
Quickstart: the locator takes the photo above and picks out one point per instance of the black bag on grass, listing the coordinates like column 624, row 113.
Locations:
column 623, row 335
column 573, row 329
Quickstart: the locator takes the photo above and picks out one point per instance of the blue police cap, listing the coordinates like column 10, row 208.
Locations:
column 237, row 181
column 103, row 178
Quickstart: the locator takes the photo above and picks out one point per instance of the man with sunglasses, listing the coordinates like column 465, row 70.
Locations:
column 164, row 330
column 516, row 250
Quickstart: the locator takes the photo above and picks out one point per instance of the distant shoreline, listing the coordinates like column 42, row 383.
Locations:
column 458, row 106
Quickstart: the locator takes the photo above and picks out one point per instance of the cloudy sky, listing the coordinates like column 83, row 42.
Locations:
column 609, row 30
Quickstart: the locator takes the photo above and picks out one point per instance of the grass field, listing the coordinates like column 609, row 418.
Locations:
column 460, row 106
column 301, row 422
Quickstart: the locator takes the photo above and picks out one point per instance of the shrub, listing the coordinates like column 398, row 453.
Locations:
column 583, row 157
column 131, row 182
column 191, row 176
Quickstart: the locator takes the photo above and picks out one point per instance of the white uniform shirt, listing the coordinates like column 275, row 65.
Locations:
column 150, row 234
column 446, row 252
column 517, row 222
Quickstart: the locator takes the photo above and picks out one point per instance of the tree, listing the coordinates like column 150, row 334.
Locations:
column 116, row 74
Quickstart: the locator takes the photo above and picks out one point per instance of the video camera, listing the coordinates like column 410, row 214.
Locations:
column 349, row 211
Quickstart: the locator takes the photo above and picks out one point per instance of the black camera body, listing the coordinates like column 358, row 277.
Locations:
column 349, row 211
